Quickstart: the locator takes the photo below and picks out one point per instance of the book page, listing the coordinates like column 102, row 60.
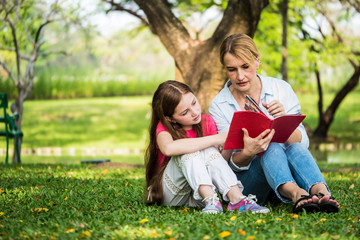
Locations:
column 251, row 105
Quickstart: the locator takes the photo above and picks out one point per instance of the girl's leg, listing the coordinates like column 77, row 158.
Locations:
column 222, row 176
column 186, row 181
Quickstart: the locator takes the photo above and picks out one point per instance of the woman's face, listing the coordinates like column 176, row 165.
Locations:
column 242, row 75
column 188, row 111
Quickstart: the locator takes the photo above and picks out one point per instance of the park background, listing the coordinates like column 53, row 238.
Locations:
column 93, row 102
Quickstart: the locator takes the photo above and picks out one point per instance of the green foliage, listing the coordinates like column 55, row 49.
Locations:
column 77, row 202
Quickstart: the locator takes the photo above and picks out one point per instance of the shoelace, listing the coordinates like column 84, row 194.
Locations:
column 211, row 199
column 250, row 199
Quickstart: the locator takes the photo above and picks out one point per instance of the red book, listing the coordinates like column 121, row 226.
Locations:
column 256, row 123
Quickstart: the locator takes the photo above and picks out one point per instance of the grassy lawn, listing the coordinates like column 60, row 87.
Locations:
column 80, row 202
column 122, row 122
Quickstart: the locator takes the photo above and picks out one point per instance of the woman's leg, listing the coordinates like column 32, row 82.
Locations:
column 306, row 172
column 255, row 182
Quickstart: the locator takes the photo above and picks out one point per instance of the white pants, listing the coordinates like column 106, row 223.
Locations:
column 185, row 173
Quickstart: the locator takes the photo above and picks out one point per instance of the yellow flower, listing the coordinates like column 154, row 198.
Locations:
column 206, row 237
column 69, row 230
column 224, row 234
column 295, row 216
column 58, row 167
column 294, row 236
column 251, row 237
column 258, row 221
column 233, row 218
column 66, row 198
column 168, row 233
column 2, row 213
column 145, row 220
column 279, row 219
column 323, row 220
column 85, row 234
column 105, row 171
column 1, row 191
column 242, row 232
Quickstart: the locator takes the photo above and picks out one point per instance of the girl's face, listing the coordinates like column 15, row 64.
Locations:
column 187, row 112
column 242, row 75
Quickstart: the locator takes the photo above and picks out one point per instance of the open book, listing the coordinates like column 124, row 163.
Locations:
column 256, row 123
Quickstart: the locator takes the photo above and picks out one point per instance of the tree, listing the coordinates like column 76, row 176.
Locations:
column 332, row 46
column 22, row 26
column 196, row 60
column 284, row 14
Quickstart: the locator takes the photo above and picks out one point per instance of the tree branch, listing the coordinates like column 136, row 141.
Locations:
column 9, row 72
column 235, row 21
column 166, row 25
column 117, row 6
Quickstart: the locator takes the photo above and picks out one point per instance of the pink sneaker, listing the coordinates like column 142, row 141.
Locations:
column 247, row 204
column 212, row 205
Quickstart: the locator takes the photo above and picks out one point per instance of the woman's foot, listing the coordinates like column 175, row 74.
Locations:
column 309, row 203
column 327, row 203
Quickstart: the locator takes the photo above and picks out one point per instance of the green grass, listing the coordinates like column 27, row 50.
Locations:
column 119, row 122
column 79, row 202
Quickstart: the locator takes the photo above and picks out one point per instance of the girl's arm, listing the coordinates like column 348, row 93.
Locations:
column 170, row 147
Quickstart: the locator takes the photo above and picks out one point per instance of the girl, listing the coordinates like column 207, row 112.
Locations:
column 183, row 164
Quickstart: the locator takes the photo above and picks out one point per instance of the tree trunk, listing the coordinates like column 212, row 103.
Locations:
column 326, row 119
column 284, row 14
column 197, row 62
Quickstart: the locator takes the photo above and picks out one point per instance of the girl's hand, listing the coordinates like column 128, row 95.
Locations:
column 275, row 108
column 258, row 144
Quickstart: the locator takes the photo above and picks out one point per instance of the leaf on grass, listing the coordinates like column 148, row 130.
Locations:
column 224, row 234
column 351, row 186
column 242, row 232
column 145, row 220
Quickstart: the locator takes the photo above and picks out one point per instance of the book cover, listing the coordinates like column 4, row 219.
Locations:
column 256, row 123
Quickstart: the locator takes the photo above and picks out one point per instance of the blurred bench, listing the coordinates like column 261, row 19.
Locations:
column 9, row 129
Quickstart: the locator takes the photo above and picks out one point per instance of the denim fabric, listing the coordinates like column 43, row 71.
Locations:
column 279, row 165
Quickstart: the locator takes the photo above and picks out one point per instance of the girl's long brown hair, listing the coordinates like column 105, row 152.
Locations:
column 165, row 100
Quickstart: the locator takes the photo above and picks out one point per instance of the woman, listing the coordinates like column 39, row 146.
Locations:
column 287, row 169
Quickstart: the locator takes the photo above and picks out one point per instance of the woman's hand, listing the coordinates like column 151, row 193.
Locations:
column 258, row 144
column 275, row 108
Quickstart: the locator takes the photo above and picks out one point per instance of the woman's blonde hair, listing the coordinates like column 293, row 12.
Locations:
column 241, row 46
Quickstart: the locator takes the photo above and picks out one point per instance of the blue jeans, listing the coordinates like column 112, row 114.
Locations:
column 279, row 165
